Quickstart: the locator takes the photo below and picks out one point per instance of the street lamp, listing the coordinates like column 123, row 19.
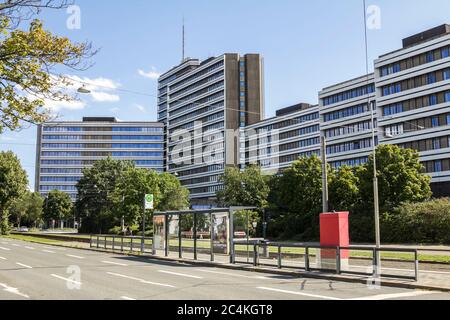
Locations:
column 84, row 90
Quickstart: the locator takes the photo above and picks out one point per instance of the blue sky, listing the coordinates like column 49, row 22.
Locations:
column 307, row 45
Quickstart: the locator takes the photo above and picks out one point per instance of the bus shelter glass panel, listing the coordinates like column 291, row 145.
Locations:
column 159, row 234
column 243, row 249
column 203, row 236
column 187, row 235
column 220, row 228
column 173, row 232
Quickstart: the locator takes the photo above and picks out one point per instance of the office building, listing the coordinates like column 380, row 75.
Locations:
column 276, row 142
column 413, row 100
column 203, row 104
column 346, row 120
column 64, row 149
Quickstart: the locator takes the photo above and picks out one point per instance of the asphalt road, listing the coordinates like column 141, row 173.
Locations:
column 41, row 272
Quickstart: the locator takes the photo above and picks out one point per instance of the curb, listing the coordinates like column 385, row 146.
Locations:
column 298, row 274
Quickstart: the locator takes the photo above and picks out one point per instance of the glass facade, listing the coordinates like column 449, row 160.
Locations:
column 66, row 149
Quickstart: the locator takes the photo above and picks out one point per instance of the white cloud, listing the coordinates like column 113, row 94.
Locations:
column 55, row 106
column 152, row 74
column 104, row 97
column 140, row 107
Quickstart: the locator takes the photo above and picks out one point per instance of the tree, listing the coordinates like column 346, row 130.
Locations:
column 28, row 63
column 296, row 199
column 173, row 195
column 343, row 187
column 58, row 206
column 400, row 178
column 247, row 188
column 97, row 194
column 130, row 191
column 27, row 210
column 13, row 183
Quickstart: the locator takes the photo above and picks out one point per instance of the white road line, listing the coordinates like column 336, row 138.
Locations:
column 66, row 279
column 395, row 295
column 54, row 248
column 115, row 263
column 5, row 249
column 180, row 274
column 16, row 245
column 2, row 258
column 30, row 248
column 299, row 293
column 13, row 291
column 406, row 270
column 140, row 280
column 23, row 265
column 5, row 243
column 126, row 298
column 48, row 251
column 233, row 275
column 72, row 256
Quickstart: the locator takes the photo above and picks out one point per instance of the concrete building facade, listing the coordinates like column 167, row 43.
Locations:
column 64, row 149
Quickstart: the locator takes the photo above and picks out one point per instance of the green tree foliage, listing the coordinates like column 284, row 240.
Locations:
column 296, row 199
column 13, row 184
column 27, row 210
column 343, row 187
column 28, row 62
column 58, row 206
column 426, row 222
column 244, row 188
column 400, row 178
column 113, row 189
column 173, row 195
column 97, row 194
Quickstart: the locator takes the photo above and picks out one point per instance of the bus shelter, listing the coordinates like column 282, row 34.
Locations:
column 200, row 234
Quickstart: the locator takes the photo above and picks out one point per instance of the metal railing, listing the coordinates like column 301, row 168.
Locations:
column 328, row 258
column 122, row 243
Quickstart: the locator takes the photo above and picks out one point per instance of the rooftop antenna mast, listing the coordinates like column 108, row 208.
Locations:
column 183, row 45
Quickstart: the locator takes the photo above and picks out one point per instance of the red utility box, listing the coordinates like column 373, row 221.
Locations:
column 334, row 232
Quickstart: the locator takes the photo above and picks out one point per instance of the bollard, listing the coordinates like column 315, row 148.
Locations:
column 416, row 265
column 338, row 260
column 114, row 240
column 98, row 242
column 307, row 259
column 121, row 244
column 279, row 257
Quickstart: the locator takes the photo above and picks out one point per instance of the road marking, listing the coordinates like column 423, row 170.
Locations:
column 48, row 251
column 180, row 274
column 30, row 248
column 16, row 245
column 115, row 263
column 5, row 243
column 72, row 256
column 234, row 275
column 126, row 298
column 299, row 293
column 23, row 265
column 1, row 258
column 140, row 280
column 406, row 270
column 54, row 248
column 13, row 291
column 6, row 249
column 395, row 295
column 67, row 279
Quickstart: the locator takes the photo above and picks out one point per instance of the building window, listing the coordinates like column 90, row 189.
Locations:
column 433, row 100
column 436, row 144
column 446, row 74
column 435, row 122
column 430, row 57
column 447, row 96
column 438, row 166
column 431, row 78
column 448, row 119
column 397, row 67
column 445, row 52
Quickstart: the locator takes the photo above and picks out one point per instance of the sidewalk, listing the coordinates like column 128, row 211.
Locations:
column 429, row 278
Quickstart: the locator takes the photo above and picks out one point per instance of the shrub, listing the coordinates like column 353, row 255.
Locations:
column 427, row 222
